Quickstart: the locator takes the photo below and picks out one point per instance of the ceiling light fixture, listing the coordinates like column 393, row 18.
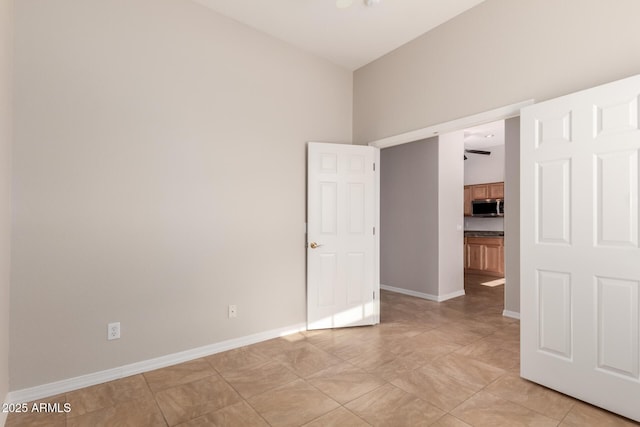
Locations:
column 489, row 135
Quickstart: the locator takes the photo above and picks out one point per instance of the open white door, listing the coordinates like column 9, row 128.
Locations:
column 342, row 257
column 580, row 260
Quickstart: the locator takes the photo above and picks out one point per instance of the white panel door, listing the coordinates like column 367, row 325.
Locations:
column 580, row 260
column 342, row 257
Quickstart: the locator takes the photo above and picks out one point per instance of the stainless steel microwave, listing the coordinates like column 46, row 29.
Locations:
column 487, row 207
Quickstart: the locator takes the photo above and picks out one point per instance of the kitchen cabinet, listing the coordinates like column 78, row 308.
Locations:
column 480, row 191
column 484, row 255
column 492, row 190
column 474, row 256
column 467, row 200
column 496, row 190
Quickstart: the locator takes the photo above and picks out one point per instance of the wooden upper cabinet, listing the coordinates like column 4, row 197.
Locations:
column 467, row 200
column 480, row 191
column 496, row 190
column 493, row 190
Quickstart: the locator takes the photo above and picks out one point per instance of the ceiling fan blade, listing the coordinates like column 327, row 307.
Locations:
column 484, row 153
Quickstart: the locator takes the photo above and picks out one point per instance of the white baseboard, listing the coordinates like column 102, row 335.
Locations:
column 63, row 386
column 452, row 295
column 511, row 314
column 437, row 298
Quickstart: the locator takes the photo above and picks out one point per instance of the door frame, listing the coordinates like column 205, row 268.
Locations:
column 512, row 280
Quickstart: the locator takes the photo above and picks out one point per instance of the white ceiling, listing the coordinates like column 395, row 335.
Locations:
column 475, row 138
column 350, row 37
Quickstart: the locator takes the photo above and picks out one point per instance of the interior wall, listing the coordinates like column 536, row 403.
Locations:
column 409, row 216
column 450, row 214
column 498, row 53
column 512, row 215
column 6, row 137
column 481, row 169
column 159, row 176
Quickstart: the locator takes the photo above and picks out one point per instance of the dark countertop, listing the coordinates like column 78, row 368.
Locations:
column 481, row 233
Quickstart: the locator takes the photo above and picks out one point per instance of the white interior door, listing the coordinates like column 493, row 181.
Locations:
column 580, row 260
column 342, row 257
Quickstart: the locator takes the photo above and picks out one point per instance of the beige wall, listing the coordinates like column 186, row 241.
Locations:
column 6, row 137
column 479, row 169
column 450, row 214
column 498, row 53
column 409, row 216
column 159, row 172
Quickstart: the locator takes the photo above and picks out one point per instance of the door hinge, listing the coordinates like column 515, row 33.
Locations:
column 374, row 167
column 374, row 295
column 374, row 231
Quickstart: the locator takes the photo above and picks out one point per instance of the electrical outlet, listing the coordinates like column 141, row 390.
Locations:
column 233, row 311
column 113, row 331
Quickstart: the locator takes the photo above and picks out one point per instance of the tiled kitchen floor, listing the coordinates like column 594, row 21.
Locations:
column 449, row 364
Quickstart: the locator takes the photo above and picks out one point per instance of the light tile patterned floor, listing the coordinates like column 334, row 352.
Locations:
column 427, row 364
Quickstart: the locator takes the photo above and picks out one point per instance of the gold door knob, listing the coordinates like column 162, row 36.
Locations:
column 314, row 245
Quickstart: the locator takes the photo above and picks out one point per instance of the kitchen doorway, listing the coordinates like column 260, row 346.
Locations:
column 511, row 194
column 484, row 201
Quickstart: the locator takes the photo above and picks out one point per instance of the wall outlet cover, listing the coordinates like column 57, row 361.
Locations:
column 113, row 331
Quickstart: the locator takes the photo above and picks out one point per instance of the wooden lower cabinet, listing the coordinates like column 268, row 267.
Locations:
column 484, row 255
column 494, row 259
column 467, row 201
column 475, row 256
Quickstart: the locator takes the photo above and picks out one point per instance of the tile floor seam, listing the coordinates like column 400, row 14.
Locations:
column 206, row 359
column 257, row 412
column 372, row 390
column 155, row 400
column 320, row 416
column 462, row 403
column 573, row 404
column 265, row 391
column 522, row 406
column 166, row 422
column 519, row 405
column 304, row 379
column 221, row 378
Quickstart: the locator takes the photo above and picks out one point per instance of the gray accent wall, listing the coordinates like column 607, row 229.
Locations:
column 421, row 213
column 409, row 216
column 6, row 138
column 512, row 216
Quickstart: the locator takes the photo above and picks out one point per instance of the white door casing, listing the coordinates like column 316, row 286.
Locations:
column 342, row 218
column 580, row 259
